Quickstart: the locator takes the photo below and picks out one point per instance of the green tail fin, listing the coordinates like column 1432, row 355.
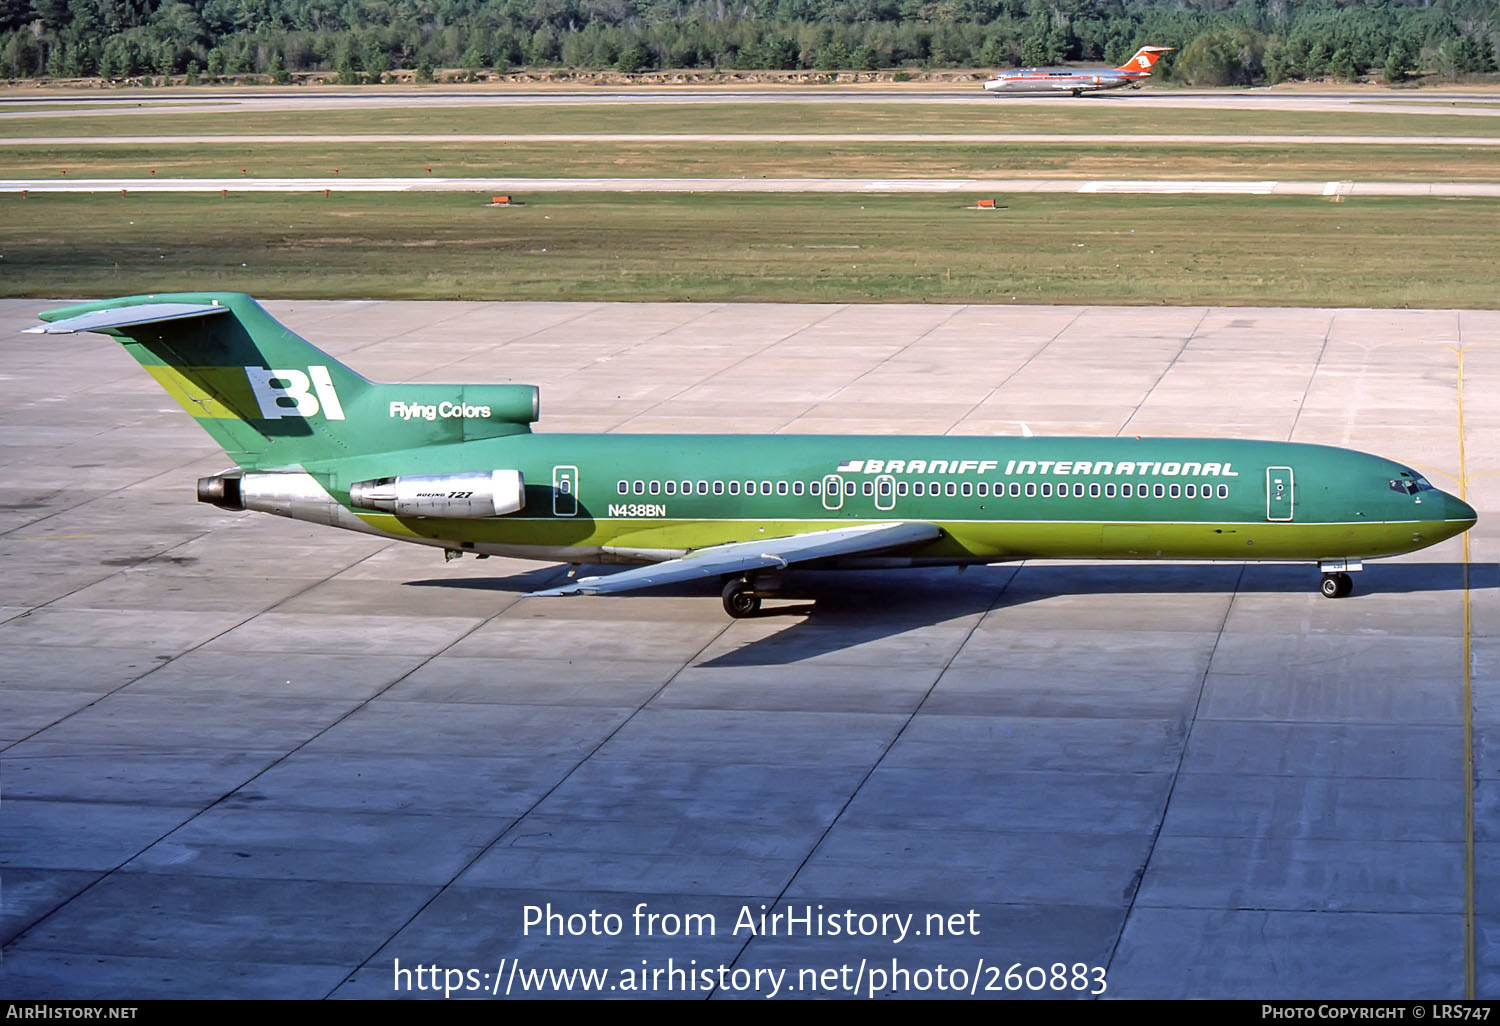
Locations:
column 272, row 399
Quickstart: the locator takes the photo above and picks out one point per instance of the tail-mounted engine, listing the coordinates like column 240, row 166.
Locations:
column 460, row 496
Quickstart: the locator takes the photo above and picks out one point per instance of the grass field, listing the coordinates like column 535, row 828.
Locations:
column 764, row 160
column 1105, row 114
column 787, row 248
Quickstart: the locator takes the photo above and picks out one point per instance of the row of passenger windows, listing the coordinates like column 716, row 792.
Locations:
column 967, row 489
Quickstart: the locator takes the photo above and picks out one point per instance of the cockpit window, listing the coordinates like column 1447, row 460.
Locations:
column 1410, row 483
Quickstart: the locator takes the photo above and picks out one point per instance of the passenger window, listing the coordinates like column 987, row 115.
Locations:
column 1030, row 489
column 1223, row 491
column 749, row 487
column 900, row 487
column 869, row 488
column 918, row 488
column 951, row 488
column 796, row 487
column 1175, row 491
column 639, row 488
column 1015, row 490
column 780, row 487
column 654, row 487
column 765, row 488
column 984, row 489
column 702, row 487
column 734, row 488
column 1127, row 490
column 1094, row 491
column 624, row 487
column 815, row 488
column 687, row 488
column 1109, row 490
column 718, row 487
column 671, row 487
column 848, row 487
column 1078, row 490
column 1191, row 491
column 1159, row 491
column 1047, row 489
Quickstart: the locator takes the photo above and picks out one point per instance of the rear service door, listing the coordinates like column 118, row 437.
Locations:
column 1279, row 493
column 564, row 491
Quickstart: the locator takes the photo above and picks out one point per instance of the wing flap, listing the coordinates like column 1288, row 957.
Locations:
column 758, row 554
column 127, row 317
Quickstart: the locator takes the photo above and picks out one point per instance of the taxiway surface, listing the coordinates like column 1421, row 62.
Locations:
column 247, row 756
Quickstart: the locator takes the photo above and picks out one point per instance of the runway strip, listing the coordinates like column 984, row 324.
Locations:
column 212, row 100
column 963, row 138
column 756, row 185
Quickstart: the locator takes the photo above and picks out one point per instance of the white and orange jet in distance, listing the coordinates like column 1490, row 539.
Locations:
column 1079, row 80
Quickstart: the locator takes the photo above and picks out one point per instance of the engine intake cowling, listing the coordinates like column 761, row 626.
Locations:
column 460, row 496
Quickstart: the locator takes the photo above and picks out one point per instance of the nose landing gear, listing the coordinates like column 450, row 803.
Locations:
column 1337, row 585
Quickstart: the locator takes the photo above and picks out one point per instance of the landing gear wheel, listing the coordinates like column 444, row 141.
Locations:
column 1338, row 585
column 740, row 600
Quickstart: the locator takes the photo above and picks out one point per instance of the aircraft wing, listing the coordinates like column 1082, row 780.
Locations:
column 759, row 554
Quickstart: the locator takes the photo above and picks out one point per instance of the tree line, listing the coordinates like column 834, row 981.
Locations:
column 1219, row 42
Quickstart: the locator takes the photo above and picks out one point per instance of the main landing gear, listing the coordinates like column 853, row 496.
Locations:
column 740, row 599
column 1338, row 585
column 742, row 594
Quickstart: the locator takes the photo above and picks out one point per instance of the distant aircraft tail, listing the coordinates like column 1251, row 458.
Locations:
column 273, row 400
column 1145, row 59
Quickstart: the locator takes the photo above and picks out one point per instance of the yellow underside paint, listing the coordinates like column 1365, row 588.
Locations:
column 998, row 540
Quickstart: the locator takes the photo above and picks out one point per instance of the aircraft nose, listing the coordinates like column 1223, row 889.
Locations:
column 1457, row 509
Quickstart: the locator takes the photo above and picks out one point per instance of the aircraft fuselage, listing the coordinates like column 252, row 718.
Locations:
column 639, row 498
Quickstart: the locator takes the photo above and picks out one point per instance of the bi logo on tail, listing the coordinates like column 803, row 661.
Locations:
column 309, row 392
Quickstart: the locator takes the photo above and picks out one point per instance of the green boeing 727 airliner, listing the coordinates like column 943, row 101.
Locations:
column 458, row 467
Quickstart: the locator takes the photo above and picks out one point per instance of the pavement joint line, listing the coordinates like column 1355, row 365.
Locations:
column 1187, row 341
column 106, row 874
column 82, row 587
column 8, row 532
column 713, row 308
column 361, row 346
column 1166, row 805
column 434, row 323
column 813, row 850
column 1040, row 349
column 1312, row 376
column 788, row 336
column 516, row 821
column 899, row 352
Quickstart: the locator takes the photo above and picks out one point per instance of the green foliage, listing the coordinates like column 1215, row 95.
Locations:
column 632, row 59
column 1221, row 59
column 1228, row 41
column 1398, row 64
column 1467, row 55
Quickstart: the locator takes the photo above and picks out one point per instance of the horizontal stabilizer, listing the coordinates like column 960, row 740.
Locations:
column 767, row 553
column 127, row 317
